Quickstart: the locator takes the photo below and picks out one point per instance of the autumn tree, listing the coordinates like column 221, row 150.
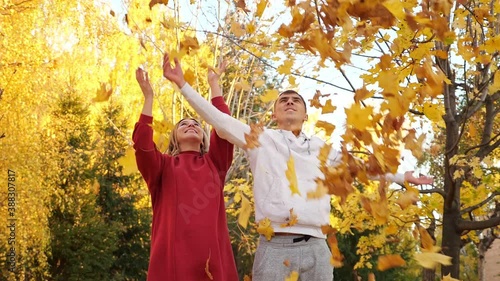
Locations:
column 425, row 62
column 120, row 197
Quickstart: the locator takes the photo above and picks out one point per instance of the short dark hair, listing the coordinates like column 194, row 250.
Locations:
column 291, row 92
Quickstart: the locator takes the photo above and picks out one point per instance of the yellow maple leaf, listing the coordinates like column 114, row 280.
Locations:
column 128, row 162
column 433, row 112
column 319, row 192
column 154, row 2
column 286, row 67
column 103, row 93
column 242, row 85
column 449, row 278
column 362, row 94
column 189, row 44
column 190, row 77
column 328, row 127
column 242, row 5
column 431, row 260
column 337, row 258
column 389, row 261
column 236, row 29
column 328, row 107
column 269, row 95
column 252, row 138
column 292, row 220
column 265, row 228
column 359, row 117
column 426, row 240
column 291, row 176
column 244, row 212
column 408, row 198
column 294, row 276
column 261, row 6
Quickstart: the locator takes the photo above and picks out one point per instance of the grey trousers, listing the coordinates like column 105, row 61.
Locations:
column 276, row 259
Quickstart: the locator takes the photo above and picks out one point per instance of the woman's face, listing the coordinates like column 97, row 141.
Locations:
column 189, row 130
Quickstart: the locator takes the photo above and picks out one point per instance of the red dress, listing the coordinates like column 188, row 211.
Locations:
column 189, row 216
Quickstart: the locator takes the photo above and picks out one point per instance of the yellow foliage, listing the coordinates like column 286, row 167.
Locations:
column 264, row 227
column 291, row 175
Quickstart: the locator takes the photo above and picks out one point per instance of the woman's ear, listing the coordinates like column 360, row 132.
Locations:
column 306, row 117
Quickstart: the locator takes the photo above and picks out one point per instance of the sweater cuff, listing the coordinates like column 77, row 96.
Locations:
column 146, row 119
column 217, row 101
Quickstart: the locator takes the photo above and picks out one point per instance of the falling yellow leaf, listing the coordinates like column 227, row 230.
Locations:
column 426, row 241
column 252, row 139
column 189, row 44
column 250, row 28
column 261, row 6
column 319, row 192
column 292, row 220
column 242, row 85
column 328, row 107
column 294, row 276
column 128, row 162
column 431, row 260
column 286, row 67
column 207, row 270
column 236, row 29
column 242, row 5
column 291, row 176
column 389, row 261
column 433, row 111
column 190, row 77
column 337, row 257
column 328, row 127
column 103, row 93
column 408, row 198
column 154, row 2
column 265, row 228
column 286, row 262
column 359, row 117
column 269, row 96
column 245, row 211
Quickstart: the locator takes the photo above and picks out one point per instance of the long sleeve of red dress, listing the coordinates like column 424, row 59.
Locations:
column 189, row 218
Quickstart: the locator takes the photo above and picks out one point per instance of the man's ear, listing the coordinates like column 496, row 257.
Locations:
column 273, row 116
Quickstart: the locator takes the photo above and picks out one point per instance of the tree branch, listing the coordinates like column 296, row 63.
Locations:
column 268, row 64
column 480, row 204
column 433, row 190
column 463, row 225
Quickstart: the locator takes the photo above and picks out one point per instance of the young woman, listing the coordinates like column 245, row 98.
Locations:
column 190, row 238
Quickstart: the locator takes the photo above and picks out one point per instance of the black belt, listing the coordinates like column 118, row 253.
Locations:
column 303, row 238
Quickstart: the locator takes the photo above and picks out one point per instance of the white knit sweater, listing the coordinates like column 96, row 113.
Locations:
column 268, row 162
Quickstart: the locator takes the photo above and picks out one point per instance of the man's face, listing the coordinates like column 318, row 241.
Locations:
column 289, row 107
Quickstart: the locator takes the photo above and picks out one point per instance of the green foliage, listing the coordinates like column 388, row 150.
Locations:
column 118, row 199
column 78, row 234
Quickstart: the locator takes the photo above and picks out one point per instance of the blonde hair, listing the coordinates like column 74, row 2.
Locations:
column 173, row 144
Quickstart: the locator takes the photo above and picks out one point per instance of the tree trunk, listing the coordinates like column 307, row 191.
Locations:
column 428, row 274
column 480, row 265
column 451, row 240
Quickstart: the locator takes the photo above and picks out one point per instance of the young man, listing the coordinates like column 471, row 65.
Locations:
column 302, row 244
